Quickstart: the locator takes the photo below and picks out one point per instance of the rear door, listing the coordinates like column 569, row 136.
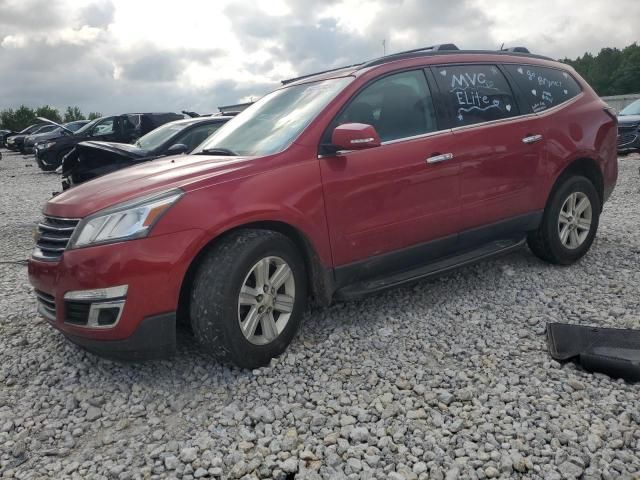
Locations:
column 387, row 199
column 498, row 148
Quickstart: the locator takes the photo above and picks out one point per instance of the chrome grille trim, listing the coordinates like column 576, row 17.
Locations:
column 53, row 236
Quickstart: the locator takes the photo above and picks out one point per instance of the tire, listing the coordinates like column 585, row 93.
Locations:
column 554, row 243
column 216, row 312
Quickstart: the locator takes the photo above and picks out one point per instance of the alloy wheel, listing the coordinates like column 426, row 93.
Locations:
column 574, row 221
column 266, row 300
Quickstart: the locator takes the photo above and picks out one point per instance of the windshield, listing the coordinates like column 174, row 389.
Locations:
column 87, row 127
column 272, row 123
column 74, row 126
column 633, row 109
column 157, row 137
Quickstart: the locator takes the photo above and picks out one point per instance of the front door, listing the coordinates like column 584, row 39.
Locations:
column 384, row 200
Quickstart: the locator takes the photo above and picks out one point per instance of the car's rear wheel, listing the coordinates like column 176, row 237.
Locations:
column 569, row 224
column 248, row 297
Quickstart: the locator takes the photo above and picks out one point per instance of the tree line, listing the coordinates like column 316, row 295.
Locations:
column 612, row 71
column 24, row 116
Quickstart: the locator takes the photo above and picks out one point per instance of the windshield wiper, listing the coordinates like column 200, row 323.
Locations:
column 217, row 151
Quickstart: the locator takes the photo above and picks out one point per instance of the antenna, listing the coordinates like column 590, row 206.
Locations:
column 384, row 47
column 501, row 47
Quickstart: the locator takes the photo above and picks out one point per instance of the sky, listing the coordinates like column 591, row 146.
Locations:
column 117, row 56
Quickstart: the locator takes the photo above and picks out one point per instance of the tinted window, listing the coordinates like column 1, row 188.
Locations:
column 105, row 127
column 475, row 93
column 197, row 135
column 543, row 87
column 398, row 106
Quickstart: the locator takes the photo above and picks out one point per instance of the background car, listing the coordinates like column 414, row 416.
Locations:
column 10, row 139
column 31, row 140
column 18, row 140
column 93, row 159
column 629, row 127
column 3, row 134
column 124, row 128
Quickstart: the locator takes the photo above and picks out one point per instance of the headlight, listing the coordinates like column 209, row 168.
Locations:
column 129, row 220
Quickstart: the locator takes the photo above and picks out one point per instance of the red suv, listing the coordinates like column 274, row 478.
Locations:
column 336, row 185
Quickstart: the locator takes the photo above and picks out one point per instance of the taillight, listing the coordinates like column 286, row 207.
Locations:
column 611, row 112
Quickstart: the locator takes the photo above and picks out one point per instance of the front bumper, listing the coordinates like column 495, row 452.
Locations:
column 628, row 140
column 153, row 268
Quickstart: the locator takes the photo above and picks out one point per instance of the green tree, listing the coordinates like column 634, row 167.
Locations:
column 49, row 113
column 18, row 119
column 611, row 71
column 73, row 114
column 94, row 115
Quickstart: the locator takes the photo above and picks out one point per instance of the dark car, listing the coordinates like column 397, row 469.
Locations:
column 629, row 127
column 11, row 140
column 93, row 159
column 3, row 134
column 19, row 140
column 40, row 137
column 125, row 128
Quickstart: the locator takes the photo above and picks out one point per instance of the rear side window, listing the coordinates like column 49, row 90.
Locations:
column 475, row 93
column 398, row 106
column 543, row 87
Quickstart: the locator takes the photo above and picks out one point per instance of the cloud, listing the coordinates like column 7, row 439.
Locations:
column 118, row 55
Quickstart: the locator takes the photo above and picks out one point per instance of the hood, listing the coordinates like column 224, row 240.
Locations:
column 123, row 149
column 144, row 178
column 624, row 119
column 46, row 120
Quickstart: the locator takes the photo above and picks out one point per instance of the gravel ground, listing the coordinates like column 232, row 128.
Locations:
column 444, row 379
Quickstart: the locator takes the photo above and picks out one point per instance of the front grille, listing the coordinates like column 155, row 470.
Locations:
column 626, row 138
column 46, row 305
column 628, row 126
column 53, row 237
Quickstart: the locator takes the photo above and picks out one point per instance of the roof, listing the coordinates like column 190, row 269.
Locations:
column 194, row 120
column 434, row 50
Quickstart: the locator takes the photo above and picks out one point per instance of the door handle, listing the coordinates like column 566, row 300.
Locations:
column 440, row 158
column 532, row 139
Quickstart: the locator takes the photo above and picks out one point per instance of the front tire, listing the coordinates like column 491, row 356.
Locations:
column 248, row 297
column 569, row 224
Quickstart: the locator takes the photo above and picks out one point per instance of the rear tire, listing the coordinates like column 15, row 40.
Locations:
column 242, row 309
column 569, row 223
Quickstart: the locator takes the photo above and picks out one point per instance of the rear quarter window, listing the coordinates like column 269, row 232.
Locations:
column 475, row 93
column 543, row 87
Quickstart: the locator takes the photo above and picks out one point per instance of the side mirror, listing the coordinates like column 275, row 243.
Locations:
column 355, row 136
column 177, row 149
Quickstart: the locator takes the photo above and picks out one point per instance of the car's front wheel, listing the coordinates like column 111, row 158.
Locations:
column 248, row 297
column 569, row 224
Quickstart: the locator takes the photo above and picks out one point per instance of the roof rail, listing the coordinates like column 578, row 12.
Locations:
column 409, row 53
column 516, row 50
column 291, row 80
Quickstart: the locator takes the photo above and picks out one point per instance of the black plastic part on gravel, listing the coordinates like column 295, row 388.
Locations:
column 613, row 351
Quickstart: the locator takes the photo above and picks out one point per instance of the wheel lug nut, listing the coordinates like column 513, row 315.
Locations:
column 261, row 309
column 266, row 288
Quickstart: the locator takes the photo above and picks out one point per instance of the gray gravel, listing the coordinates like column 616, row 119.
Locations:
column 445, row 379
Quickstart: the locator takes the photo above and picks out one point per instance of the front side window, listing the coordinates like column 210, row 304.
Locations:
column 157, row 137
column 543, row 87
column 397, row 106
column 197, row 135
column 106, row 127
column 475, row 93
column 272, row 123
